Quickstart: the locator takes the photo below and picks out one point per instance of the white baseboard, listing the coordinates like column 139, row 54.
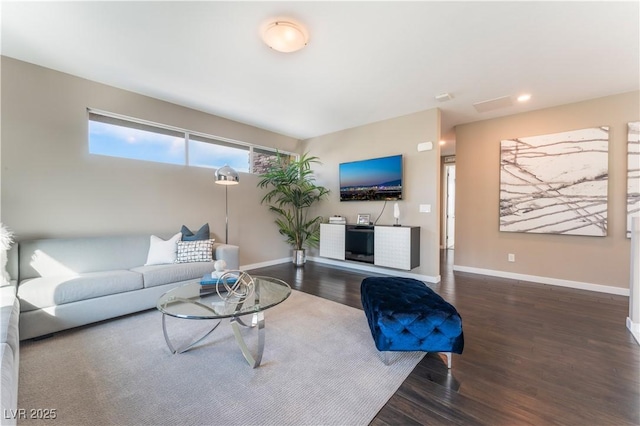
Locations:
column 348, row 265
column 265, row 264
column 379, row 270
column 545, row 280
column 634, row 328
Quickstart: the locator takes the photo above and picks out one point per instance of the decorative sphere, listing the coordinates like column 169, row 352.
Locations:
column 220, row 265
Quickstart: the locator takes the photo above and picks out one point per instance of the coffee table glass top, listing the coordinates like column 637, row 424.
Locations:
column 197, row 301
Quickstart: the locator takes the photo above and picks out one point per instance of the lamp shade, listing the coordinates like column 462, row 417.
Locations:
column 227, row 176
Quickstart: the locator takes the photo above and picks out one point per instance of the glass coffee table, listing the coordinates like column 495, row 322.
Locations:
column 241, row 296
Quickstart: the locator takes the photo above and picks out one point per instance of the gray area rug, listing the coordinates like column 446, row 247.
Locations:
column 320, row 367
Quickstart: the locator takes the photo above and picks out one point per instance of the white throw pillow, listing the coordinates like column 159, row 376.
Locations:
column 161, row 251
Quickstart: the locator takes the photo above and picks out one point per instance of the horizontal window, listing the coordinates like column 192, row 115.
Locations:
column 262, row 159
column 123, row 137
column 119, row 138
column 205, row 152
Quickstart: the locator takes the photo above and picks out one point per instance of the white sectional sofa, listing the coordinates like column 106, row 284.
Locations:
column 58, row 284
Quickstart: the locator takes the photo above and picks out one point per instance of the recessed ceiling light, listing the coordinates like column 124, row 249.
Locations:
column 285, row 36
column 524, row 97
column 443, row 142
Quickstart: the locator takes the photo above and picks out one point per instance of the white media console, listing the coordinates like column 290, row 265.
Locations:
column 387, row 246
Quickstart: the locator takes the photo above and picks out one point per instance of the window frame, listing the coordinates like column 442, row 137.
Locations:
column 186, row 134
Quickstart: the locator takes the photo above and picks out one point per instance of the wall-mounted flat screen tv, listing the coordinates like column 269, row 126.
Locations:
column 371, row 180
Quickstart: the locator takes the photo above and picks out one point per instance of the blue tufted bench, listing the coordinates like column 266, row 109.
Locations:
column 406, row 315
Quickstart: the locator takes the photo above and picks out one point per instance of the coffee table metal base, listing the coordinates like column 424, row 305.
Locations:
column 256, row 320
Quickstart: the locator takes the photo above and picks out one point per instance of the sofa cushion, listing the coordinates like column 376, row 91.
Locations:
column 72, row 256
column 39, row 293
column 155, row 275
column 201, row 234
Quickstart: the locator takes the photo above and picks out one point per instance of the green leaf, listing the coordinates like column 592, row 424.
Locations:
column 291, row 192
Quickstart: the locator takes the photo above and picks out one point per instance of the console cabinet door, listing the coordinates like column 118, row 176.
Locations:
column 397, row 247
column 332, row 238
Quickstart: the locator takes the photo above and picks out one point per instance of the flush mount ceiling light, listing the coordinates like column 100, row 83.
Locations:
column 524, row 97
column 285, row 36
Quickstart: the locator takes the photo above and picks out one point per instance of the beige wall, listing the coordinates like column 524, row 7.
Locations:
column 479, row 244
column 52, row 187
column 421, row 175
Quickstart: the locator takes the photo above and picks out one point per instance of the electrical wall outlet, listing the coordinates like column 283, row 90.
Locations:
column 425, row 208
column 511, row 257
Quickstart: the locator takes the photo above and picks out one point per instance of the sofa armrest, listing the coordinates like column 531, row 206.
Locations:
column 228, row 253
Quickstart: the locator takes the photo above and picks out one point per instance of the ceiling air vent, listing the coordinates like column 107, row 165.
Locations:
column 490, row 105
column 442, row 97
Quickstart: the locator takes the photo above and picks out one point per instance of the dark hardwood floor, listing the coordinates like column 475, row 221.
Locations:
column 534, row 354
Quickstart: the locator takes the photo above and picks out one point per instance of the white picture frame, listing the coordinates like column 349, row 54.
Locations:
column 363, row 219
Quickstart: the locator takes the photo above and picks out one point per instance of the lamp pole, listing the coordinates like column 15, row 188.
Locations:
column 226, row 214
column 226, row 176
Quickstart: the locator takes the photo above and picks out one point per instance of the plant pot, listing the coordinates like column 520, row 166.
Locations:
column 299, row 257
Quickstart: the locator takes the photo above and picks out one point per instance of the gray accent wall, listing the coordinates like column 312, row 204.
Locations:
column 52, row 187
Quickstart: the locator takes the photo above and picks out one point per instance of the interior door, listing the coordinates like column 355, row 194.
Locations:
column 451, row 205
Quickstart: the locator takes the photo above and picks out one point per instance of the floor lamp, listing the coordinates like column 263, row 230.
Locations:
column 226, row 176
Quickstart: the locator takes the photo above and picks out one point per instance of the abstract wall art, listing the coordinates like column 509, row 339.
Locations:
column 556, row 183
column 633, row 173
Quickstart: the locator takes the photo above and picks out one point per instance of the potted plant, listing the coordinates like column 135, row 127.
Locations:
column 292, row 191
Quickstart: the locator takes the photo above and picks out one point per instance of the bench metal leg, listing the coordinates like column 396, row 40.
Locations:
column 448, row 355
column 386, row 358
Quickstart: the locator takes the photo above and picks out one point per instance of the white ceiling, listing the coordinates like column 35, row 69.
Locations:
column 365, row 62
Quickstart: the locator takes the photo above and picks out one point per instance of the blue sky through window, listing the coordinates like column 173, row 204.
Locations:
column 204, row 154
column 135, row 139
column 119, row 141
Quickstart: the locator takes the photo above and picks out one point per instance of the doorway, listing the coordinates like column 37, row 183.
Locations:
column 450, row 206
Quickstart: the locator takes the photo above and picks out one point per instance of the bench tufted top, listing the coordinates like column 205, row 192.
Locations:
column 406, row 315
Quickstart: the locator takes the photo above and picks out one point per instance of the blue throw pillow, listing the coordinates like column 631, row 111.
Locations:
column 202, row 234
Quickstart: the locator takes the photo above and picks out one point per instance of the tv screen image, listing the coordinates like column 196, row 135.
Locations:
column 371, row 180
